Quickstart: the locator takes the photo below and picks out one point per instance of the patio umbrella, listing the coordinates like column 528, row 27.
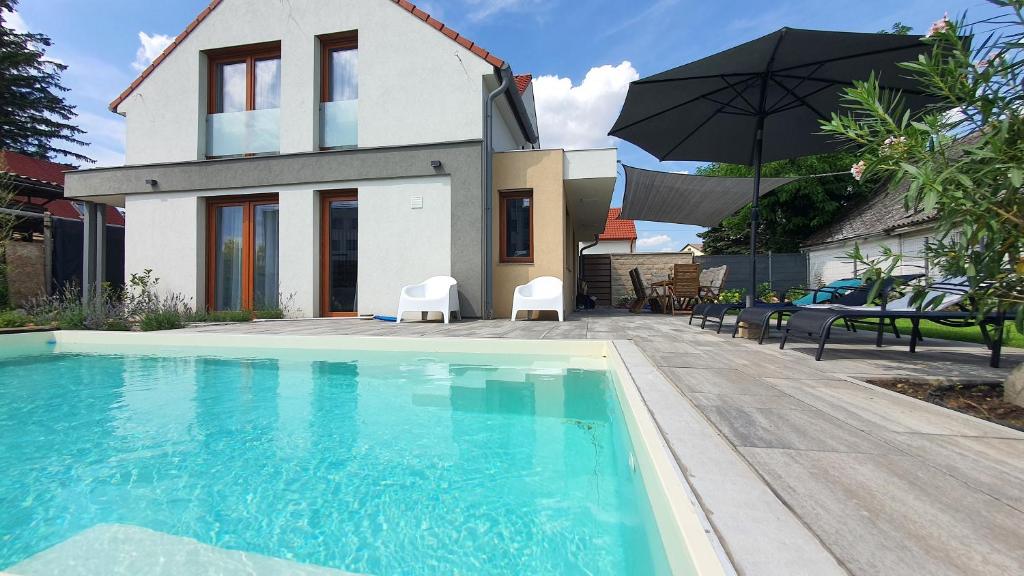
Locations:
column 763, row 100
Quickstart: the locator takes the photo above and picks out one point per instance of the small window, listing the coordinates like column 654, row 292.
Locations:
column 339, row 90
column 516, row 214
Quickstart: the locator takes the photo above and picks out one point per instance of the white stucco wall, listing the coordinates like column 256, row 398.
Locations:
column 610, row 247
column 415, row 84
column 398, row 245
column 829, row 263
column 165, row 235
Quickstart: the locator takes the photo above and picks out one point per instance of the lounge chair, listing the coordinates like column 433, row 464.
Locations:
column 848, row 291
column 817, row 323
column 543, row 293
column 435, row 294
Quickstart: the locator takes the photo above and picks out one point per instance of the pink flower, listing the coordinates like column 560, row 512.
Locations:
column 939, row 26
column 858, row 170
column 992, row 57
column 894, row 145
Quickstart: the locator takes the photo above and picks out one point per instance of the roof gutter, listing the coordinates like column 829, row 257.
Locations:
column 515, row 101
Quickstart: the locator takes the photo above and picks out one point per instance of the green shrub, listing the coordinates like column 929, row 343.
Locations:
column 223, row 316
column 161, row 320
column 117, row 325
column 14, row 319
column 270, row 314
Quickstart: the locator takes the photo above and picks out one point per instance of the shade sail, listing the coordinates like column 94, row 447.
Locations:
column 687, row 199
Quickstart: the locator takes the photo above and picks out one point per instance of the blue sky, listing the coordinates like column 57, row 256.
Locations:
column 586, row 52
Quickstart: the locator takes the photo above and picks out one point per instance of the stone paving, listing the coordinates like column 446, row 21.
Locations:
column 801, row 467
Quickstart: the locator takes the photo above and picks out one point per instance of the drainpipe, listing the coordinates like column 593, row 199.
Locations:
column 488, row 184
column 582, row 250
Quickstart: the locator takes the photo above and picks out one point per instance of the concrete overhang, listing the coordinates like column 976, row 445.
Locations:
column 589, row 177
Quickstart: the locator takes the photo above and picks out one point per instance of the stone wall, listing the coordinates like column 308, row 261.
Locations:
column 653, row 268
column 26, row 271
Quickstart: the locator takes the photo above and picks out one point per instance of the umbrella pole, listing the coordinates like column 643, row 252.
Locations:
column 754, row 216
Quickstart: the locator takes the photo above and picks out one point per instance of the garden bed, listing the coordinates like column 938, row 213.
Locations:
column 979, row 399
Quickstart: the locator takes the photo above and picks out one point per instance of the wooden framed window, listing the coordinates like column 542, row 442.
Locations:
column 242, row 259
column 339, row 67
column 339, row 90
column 339, row 252
column 245, row 78
column 515, row 214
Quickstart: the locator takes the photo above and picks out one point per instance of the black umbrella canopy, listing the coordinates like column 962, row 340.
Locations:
column 709, row 110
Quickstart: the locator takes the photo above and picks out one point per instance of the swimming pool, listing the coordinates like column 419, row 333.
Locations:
column 376, row 461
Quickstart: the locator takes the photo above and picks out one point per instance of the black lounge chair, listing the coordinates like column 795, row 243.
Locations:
column 839, row 292
column 817, row 322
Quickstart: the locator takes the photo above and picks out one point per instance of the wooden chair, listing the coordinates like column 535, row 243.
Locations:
column 685, row 285
column 642, row 293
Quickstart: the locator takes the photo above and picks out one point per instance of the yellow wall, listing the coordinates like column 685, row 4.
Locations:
column 542, row 172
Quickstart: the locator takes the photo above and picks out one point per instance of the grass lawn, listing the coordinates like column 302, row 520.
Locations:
column 971, row 334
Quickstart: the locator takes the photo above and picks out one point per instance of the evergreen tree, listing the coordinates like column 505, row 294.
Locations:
column 35, row 119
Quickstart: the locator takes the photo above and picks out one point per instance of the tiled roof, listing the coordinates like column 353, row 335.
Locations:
column 42, row 171
column 523, row 82
column 64, row 209
column 408, row 6
column 879, row 214
column 616, row 229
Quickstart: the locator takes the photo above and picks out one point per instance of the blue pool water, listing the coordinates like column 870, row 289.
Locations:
column 379, row 463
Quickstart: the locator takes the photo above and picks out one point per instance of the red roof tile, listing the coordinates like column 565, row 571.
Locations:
column 523, row 82
column 616, row 229
column 33, row 168
column 407, row 6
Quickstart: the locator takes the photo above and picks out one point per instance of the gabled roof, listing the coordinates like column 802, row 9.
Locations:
column 616, row 229
column 880, row 214
column 29, row 168
column 408, row 6
column 523, row 82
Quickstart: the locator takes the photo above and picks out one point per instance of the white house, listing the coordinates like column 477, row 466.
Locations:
column 693, row 249
column 328, row 152
column 618, row 237
column 882, row 220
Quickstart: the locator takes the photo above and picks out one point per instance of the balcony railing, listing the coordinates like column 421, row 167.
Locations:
column 238, row 133
column 339, row 123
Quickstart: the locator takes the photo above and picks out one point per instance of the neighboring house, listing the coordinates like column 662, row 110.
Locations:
column 618, row 237
column 882, row 220
column 330, row 152
column 47, row 249
column 694, row 249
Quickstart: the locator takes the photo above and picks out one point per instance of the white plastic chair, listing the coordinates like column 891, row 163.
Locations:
column 436, row 294
column 544, row 293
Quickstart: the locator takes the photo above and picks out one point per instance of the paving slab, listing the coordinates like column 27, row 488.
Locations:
column 893, row 515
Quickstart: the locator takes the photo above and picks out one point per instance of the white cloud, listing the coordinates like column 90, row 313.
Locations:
column 651, row 242
column 151, row 47
column 14, row 21
column 580, row 116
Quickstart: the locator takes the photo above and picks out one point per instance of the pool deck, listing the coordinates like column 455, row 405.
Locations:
column 801, row 467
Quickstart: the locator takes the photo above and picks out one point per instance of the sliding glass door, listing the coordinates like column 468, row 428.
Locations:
column 339, row 252
column 242, row 258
